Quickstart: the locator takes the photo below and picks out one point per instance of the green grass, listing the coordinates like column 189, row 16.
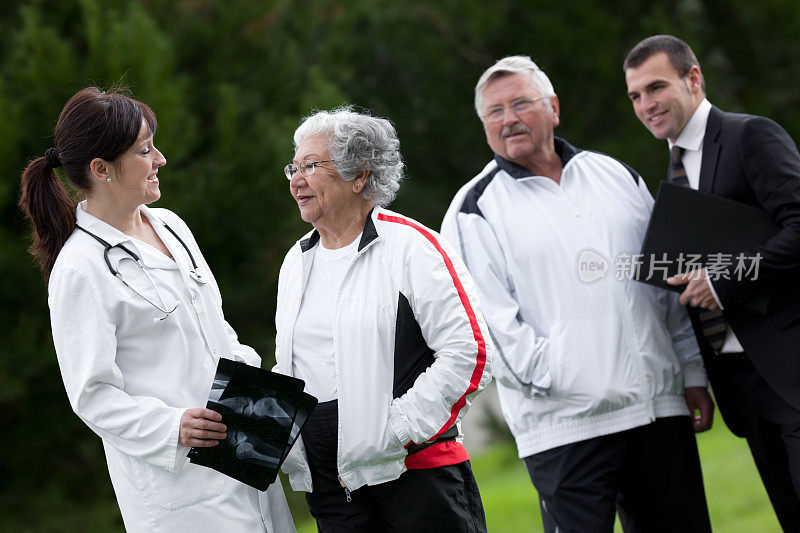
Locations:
column 736, row 498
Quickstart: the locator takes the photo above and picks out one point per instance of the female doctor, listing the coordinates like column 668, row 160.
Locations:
column 137, row 321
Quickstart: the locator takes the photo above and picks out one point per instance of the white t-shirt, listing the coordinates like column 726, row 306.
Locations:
column 313, row 358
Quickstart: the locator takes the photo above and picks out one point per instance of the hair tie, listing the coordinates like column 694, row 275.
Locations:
column 53, row 161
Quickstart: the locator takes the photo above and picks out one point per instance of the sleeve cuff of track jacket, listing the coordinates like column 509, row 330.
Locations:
column 540, row 380
column 694, row 378
column 538, row 375
column 399, row 424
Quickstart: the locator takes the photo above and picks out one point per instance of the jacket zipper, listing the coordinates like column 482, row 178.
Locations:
column 339, row 428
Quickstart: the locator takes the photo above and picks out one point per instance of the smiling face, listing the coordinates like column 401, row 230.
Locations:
column 134, row 175
column 324, row 198
column 662, row 99
column 519, row 138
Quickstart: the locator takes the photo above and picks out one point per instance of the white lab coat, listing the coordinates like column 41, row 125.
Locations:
column 130, row 379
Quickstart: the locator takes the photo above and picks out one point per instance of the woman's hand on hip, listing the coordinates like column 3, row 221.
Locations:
column 201, row 427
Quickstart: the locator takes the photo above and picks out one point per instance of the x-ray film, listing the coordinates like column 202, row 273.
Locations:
column 264, row 413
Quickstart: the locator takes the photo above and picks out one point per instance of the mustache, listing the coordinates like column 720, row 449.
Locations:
column 514, row 128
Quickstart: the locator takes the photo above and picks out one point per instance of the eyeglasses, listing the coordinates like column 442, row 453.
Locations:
column 306, row 168
column 518, row 107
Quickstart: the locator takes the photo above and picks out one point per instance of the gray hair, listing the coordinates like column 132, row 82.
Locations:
column 359, row 142
column 514, row 65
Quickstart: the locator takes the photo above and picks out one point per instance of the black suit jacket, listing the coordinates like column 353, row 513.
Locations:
column 753, row 160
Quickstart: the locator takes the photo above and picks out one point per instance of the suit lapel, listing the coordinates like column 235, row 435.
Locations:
column 711, row 149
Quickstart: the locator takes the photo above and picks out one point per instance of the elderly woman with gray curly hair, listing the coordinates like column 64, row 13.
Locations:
column 381, row 319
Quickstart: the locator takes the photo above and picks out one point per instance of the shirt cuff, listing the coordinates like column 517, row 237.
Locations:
column 713, row 292
column 399, row 425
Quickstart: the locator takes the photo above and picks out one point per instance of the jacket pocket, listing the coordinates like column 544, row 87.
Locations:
column 192, row 485
column 591, row 365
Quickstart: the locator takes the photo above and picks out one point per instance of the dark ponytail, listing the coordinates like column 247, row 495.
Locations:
column 50, row 208
column 93, row 123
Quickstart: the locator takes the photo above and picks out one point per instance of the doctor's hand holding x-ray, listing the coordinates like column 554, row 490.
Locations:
column 201, row 428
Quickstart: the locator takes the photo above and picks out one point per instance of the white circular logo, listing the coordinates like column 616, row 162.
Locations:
column 591, row 266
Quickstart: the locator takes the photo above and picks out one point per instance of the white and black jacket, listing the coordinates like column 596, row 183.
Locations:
column 580, row 354
column 411, row 347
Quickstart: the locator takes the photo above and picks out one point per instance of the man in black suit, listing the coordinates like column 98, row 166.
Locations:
column 752, row 351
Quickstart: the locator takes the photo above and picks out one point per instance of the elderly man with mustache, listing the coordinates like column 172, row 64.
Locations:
column 597, row 374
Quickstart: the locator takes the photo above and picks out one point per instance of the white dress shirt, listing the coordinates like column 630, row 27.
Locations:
column 691, row 140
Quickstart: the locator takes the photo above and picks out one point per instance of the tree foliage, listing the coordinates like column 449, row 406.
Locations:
column 229, row 82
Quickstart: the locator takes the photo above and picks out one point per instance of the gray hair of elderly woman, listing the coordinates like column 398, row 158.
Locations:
column 514, row 65
column 358, row 142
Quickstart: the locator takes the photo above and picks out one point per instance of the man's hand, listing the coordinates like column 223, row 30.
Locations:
column 697, row 292
column 701, row 407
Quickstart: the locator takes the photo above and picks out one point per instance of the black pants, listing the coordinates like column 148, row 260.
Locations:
column 650, row 474
column 772, row 429
column 440, row 500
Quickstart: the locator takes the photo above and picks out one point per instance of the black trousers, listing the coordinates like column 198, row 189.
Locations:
column 772, row 429
column 650, row 475
column 440, row 500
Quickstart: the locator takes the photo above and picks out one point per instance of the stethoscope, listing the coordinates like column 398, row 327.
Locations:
column 193, row 273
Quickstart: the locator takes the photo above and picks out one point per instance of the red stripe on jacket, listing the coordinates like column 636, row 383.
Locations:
column 441, row 454
column 473, row 320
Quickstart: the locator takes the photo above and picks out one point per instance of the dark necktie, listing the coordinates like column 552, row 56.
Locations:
column 713, row 322
column 677, row 174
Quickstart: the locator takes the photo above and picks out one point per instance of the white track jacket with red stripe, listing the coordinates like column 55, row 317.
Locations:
column 411, row 347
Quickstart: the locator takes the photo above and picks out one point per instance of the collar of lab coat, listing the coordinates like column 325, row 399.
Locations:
column 113, row 236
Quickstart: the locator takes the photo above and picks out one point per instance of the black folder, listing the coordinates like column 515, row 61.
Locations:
column 686, row 223
column 264, row 413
